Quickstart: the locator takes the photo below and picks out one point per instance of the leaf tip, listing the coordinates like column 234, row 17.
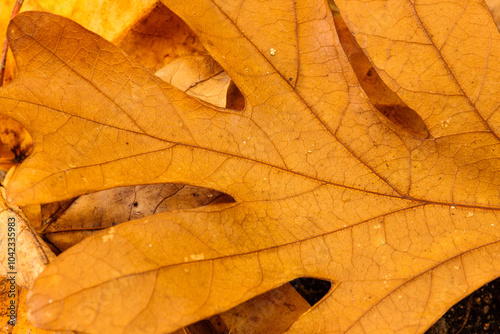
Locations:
column 14, row 30
column 42, row 311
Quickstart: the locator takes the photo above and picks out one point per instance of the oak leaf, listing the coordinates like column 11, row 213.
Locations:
column 30, row 253
column 325, row 185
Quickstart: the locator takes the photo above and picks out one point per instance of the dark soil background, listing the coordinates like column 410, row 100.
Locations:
column 475, row 314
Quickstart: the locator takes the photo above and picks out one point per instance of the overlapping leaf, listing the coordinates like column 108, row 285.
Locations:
column 325, row 185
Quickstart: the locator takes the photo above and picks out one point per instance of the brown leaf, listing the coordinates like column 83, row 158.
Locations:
column 325, row 186
column 188, row 71
column 272, row 313
column 158, row 38
column 110, row 19
column 198, row 76
column 90, row 213
column 385, row 100
column 5, row 13
column 494, row 6
column 67, row 223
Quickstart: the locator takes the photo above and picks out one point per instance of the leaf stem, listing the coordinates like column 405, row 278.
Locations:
column 3, row 57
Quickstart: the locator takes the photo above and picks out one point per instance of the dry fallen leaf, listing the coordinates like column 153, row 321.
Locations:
column 67, row 223
column 31, row 253
column 325, row 186
column 84, row 216
column 198, row 76
column 283, row 305
column 159, row 38
column 5, row 13
column 494, row 6
column 22, row 325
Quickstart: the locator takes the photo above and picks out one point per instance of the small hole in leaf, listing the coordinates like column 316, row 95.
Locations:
column 135, row 204
column 383, row 99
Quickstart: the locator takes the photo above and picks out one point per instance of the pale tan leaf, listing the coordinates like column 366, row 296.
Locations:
column 82, row 217
column 198, row 76
column 23, row 252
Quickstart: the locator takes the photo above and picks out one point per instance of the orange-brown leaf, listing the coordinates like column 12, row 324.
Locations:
column 325, row 186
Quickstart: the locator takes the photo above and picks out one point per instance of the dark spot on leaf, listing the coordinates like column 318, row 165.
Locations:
column 19, row 154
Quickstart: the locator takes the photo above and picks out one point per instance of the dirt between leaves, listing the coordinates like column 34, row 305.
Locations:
column 478, row 313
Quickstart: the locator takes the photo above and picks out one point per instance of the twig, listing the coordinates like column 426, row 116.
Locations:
column 469, row 306
column 3, row 57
